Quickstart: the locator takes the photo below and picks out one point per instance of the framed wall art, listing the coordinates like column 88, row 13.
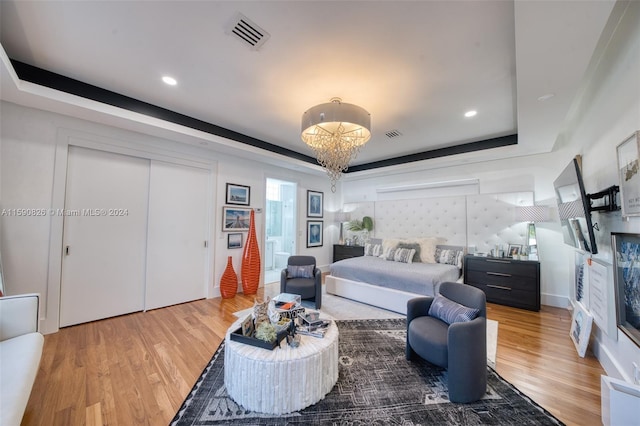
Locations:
column 315, row 201
column 581, row 323
column 234, row 241
column 314, row 233
column 626, row 249
column 238, row 194
column 628, row 163
column 235, row 219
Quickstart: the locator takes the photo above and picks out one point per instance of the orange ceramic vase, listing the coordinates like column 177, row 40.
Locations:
column 250, row 269
column 228, row 281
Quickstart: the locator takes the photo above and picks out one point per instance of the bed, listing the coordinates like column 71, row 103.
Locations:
column 380, row 281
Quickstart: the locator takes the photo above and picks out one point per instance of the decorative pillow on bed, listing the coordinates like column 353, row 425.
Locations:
column 390, row 243
column 300, row 271
column 449, row 311
column 416, row 247
column 450, row 257
column 402, row 255
column 428, row 248
column 372, row 249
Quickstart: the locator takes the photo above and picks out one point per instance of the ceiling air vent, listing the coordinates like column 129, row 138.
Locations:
column 247, row 31
column 393, row 133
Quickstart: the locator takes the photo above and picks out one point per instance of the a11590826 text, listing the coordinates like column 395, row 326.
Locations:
column 31, row 212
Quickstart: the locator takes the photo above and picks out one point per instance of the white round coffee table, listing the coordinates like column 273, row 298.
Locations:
column 285, row 379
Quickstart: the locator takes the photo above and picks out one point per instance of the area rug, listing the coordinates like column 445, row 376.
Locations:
column 376, row 386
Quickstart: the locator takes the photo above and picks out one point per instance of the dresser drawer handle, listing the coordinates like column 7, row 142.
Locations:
column 498, row 274
column 498, row 261
column 499, row 287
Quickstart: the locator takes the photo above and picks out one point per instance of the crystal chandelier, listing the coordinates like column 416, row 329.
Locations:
column 336, row 132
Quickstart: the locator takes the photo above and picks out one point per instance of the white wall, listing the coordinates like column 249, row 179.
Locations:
column 31, row 246
column 608, row 114
column 605, row 115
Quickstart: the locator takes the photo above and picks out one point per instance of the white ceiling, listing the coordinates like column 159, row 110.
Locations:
column 415, row 66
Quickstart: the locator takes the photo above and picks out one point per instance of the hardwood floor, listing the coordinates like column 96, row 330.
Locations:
column 137, row 369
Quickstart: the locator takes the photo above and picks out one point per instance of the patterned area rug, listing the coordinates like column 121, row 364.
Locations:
column 376, row 386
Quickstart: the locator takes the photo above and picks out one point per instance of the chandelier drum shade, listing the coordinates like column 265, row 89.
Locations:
column 336, row 131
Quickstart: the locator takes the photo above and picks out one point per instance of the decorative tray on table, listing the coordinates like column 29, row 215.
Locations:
column 248, row 340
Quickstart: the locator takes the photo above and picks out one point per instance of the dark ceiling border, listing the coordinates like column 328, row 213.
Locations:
column 69, row 85
column 55, row 81
column 440, row 152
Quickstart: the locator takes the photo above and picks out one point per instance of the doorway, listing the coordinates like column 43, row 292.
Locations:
column 280, row 227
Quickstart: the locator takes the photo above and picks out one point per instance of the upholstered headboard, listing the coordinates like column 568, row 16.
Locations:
column 480, row 221
column 436, row 217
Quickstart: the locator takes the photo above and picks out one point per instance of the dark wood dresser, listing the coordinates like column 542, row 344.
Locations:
column 505, row 281
column 345, row 252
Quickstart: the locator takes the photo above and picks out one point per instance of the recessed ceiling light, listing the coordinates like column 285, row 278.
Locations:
column 169, row 80
column 545, row 97
column 470, row 114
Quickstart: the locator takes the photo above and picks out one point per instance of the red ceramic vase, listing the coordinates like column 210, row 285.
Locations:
column 250, row 268
column 228, row 281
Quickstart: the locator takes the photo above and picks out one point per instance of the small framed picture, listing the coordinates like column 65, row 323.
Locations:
column 235, row 219
column 238, row 194
column 234, row 241
column 629, row 175
column 514, row 250
column 247, row 326
column 315, row 201
column 314, row 233
column 581, row 323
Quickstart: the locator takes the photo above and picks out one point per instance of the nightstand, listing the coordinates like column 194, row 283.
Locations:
column 341, row 251
column 505, row 281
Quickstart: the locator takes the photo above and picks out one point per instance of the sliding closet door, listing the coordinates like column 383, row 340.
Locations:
column 177, row 234
column 105, row 236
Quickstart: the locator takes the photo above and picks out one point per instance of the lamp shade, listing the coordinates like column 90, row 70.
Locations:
column 342, row 216
column 335, row 132
column 327, row 118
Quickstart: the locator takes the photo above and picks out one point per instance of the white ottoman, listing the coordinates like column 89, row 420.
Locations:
column 285, row 379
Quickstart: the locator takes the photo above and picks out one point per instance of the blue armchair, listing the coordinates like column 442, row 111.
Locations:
column 460, row 347
column 301, row 276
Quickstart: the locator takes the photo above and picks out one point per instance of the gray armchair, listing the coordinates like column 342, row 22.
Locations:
column 460, row 347
column 293, row 280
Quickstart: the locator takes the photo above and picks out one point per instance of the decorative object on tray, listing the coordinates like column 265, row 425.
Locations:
column 247, row 326
column 250, row 269
column 293, row 340
column 228, row 281
column 285, row 298
column 310, row 324
column 283, row 324
column 260, row 312
column 265, row 331
column 289, row 305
